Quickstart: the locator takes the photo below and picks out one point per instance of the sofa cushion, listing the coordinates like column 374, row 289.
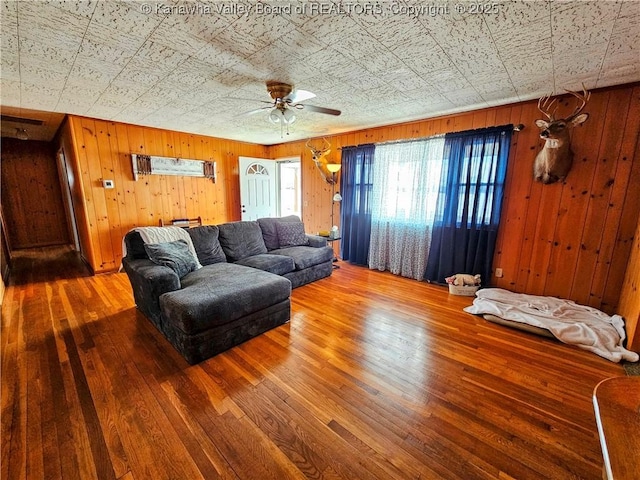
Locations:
column 221, row 293
column 269, row 231
column 291, row 234
column 305, row 257
column 205, row 241
column 278, row 264
column 176, row 255
column 241, row 240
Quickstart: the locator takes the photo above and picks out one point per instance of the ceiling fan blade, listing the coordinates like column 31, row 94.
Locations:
column 298, row 96
column 253, row 112
column 249, row 100
column 328, row 111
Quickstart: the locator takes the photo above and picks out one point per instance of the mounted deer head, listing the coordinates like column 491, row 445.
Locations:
column 319, row 157
column 553, row 162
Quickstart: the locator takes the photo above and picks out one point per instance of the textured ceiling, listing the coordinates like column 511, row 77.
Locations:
column 185, row 65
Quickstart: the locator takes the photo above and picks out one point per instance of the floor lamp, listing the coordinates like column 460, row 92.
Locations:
column 335, row 197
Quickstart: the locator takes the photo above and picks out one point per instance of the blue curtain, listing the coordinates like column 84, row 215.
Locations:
column 469, row 203
column 356, row 182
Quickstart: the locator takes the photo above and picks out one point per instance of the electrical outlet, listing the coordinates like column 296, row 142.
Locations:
column 499, row 272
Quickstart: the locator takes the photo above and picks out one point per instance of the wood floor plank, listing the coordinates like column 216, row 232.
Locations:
column 374, row 377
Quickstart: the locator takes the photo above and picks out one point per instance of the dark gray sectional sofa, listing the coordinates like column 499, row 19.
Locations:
column 242, row 290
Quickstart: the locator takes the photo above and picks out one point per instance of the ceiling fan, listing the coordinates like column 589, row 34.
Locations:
column 284, row 100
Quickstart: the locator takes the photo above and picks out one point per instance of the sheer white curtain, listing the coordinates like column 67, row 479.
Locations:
column 405, row 189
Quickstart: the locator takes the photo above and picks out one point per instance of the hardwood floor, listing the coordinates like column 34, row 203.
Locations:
column 375, row 377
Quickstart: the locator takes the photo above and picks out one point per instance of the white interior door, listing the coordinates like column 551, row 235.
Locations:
column 258, row 188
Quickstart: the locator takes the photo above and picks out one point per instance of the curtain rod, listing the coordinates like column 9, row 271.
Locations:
column 516, row 128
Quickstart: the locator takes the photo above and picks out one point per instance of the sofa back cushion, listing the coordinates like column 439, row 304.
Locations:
column 270, row 231
column 241, row 240
column 176, row 255
column 205, row 241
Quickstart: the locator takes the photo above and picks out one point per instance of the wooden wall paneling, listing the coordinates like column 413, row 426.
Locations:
column 462, row 122
column 222, row 184
column 143, row 199
column 153, row 146
column 31, row 194
column 200, row 191
column 220, row 191
column 70, row 143
column 197, row 194
column 12, row 198
column 576, row 194
column 54, row 228
column 586, row 142
column 543, row 236
column 166, row 181
column 627, row 179
column 624, row 238
column 210, row 150
column 608, row 194
column 231, row 182
column 185, row 186
column 121, row 185
column 481, row 118
column 526, row 237
column 630, row 295
column 529, row 193
column 505, row 115
column 108, row 150
column 95, row 198
column 125, row 185
column 512, row 220
column 192, row 205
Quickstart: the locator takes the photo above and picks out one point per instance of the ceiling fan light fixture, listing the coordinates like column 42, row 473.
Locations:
column 289, row 116
column 282, row 115
column 275, row 116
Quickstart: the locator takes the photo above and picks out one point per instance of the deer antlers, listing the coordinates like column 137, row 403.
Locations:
column 584, row 98
column 544, row 105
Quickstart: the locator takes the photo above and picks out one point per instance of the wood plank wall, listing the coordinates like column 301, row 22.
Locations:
column 31, row 197
column 103, row 151
column 570, row 240
column 630, row 296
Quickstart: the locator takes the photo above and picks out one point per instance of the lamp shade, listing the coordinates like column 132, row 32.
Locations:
column 337, row 197
column 333, row 167
column 275, row 116
column 288, row 116
column 285, row 116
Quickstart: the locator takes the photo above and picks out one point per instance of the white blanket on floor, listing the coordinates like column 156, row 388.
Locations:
column 585, row 327
column 164, row 235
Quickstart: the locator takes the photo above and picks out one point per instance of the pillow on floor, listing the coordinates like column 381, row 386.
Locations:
column 175, row 255
column 291, row 234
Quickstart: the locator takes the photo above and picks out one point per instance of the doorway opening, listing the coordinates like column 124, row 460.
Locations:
column 290, row 186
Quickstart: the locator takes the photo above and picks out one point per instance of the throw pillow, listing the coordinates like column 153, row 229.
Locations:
column 175, row 255
column 205, row 241
column 291, row 234
column 269, row 231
